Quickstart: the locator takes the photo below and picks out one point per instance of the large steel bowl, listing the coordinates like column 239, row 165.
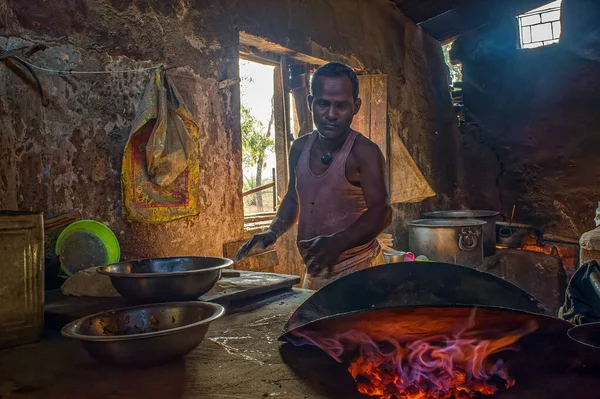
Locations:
column 165, row 279
column 145, row 335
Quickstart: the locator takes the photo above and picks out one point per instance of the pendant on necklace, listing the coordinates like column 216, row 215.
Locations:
column 326, row 158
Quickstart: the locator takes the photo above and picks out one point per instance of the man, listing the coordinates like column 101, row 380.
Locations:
column 337, row 191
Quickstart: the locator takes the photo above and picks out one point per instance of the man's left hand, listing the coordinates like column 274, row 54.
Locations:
column 321, row 253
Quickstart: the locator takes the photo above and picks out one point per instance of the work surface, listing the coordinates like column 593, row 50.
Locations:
column 230, row 291
column 240, row 358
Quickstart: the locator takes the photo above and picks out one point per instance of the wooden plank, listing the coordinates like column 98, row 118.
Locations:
column 474, row 14
column 61, row 309
column 372, row 119
column 378, row 126
column 379, row 117
column 319, row 55
column 231, row 248
column 259, row 188
column 300, row 86
column 281, row 148
column 422, row 10
column 261, row 262
column 57, row 222
column 362, row 120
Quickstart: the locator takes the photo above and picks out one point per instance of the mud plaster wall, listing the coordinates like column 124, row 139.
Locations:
column 68, row 155
column 535, row 132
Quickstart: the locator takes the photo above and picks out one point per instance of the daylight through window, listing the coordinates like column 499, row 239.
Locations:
column 540, row 26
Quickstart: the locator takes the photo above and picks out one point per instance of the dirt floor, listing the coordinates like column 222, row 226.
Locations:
column 240, row 358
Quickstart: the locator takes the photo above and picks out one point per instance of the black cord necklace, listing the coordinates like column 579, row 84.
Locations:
column 327, row 156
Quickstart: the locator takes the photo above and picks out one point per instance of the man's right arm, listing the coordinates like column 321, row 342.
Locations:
column 287, row 214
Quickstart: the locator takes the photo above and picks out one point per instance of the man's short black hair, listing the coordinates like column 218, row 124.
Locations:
column 335, row 69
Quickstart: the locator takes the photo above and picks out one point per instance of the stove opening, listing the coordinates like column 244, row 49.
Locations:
column 461, row 364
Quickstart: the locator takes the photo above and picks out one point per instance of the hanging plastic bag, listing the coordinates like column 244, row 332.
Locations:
column 170, row 143
column 160, row 170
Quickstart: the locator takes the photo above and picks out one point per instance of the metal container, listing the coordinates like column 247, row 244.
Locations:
column 513, row 235
column 21, row 278
column 394, row 257
column 146, row 335
column 586, row 334
column 165, row 279
column 457, row 241
column 489, row 230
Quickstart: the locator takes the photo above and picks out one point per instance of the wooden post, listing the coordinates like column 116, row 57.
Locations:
column 282, row 127
column 274, row 192
column 299, row 86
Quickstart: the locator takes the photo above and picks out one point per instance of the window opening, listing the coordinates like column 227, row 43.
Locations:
column 540, row 26
column 456, row 86
column 258, row 136
column 456, row 67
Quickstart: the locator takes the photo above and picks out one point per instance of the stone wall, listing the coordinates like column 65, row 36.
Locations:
column 68, row 155
column 535, row 130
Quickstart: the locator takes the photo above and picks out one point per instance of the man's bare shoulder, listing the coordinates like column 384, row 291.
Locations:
column 365, row 149
column 300, row 142
column 297, row 147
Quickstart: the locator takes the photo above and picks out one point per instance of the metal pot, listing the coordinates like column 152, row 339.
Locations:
column 512, row 235
column 457, row 241
column 489, row 230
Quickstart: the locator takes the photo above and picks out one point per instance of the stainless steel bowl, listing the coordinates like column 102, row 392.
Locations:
column 165, row 279
column 146, row 335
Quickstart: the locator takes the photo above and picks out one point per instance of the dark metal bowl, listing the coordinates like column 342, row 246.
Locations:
column 586, row 334
column 165, row 279
column 146, row 335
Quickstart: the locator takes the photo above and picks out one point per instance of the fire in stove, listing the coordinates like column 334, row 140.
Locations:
column 458, row 365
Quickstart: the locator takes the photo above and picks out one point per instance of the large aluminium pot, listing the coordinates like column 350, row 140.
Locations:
column 489, row 229
column 457, row 241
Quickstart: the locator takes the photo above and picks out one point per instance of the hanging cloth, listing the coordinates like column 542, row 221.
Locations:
column 160, row 172
column 582, row 299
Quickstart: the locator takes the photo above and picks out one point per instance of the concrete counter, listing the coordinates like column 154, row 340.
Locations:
column 240, row 358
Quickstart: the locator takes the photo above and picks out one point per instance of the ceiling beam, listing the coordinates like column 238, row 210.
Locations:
column 474, row 14
column 422, row 10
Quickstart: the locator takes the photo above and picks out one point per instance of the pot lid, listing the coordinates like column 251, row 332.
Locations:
column 446, row 223
column 461, row 214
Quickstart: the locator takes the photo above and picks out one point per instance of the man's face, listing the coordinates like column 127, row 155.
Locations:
column 333, row 105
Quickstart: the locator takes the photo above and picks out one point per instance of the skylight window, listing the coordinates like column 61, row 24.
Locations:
column 540, row 26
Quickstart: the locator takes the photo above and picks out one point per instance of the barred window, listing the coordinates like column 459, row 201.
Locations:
column 540, row 26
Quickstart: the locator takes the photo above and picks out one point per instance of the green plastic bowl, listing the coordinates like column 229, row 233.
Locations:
column 103, row 233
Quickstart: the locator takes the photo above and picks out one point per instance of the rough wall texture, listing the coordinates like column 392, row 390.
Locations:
column 68, row 155
column 535, row 140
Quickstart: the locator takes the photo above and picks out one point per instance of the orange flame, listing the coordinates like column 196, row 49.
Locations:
column 437, row 367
